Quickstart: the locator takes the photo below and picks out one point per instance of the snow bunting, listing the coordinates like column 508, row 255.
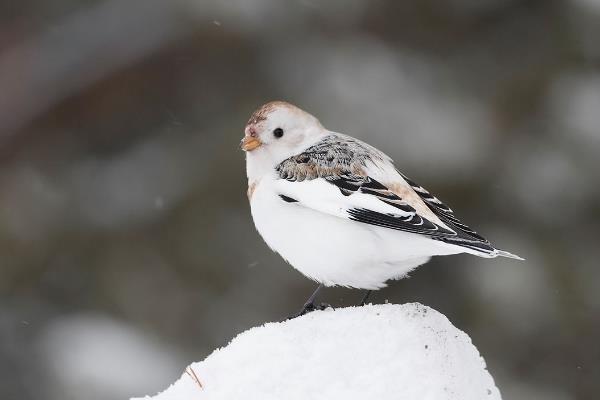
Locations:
column 337, row 209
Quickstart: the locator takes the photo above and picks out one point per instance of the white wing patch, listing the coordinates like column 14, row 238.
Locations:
column 370, row 203
column 322, row 196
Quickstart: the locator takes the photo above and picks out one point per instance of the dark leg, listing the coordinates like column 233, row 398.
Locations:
column 309, row 305
column 313, row 296
column 365, row 298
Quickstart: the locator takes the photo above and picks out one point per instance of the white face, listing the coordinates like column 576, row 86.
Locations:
column 280, row 130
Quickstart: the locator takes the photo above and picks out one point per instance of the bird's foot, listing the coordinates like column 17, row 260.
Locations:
column 365, row 298
column 310, row 307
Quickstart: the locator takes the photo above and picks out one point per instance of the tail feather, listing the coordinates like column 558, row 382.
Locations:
column 503, row 253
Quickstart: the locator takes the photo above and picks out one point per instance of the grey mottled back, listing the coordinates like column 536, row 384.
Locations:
column 334, row 155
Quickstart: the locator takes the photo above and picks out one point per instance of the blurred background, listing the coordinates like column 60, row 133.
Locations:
column 127, row 249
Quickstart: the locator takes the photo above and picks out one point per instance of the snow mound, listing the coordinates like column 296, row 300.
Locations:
column 379, row 352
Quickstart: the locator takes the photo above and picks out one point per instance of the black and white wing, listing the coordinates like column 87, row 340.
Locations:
column 337, row 177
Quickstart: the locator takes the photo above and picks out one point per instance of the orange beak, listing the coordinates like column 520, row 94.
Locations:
column 250, row 140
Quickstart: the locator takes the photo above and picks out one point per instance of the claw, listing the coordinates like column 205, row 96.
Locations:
column 307, row 308
column 365, row 298
column 310, row 307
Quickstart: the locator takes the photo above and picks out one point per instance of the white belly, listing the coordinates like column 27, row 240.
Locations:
column 334, row 250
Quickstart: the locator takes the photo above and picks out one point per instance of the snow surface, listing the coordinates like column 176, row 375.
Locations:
column 379, row 352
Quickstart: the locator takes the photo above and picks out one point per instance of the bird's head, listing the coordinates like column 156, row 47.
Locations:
column 278, row 130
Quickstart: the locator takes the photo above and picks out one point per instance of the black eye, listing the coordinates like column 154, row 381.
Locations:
column 278, row 132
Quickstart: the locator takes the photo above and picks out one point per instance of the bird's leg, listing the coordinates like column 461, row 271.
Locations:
column 309, row 305
column 365, row 298
column 311, row 299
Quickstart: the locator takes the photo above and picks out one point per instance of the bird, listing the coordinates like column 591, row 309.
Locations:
column 337, row 209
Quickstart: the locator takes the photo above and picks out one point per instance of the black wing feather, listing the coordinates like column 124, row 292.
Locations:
column 466, row 236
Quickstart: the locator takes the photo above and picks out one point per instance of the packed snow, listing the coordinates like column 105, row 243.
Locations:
column 379, row 352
